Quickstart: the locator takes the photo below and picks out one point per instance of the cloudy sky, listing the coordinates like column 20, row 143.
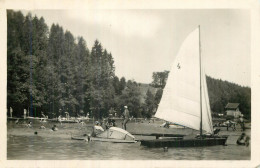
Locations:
column 145, row 41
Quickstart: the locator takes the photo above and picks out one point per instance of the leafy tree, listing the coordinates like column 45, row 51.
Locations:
column 159, row 79
column 101, row 78
column 131, row 97
column 122, row 84
column 26, row 48
column 54, row 66
column 116, row 85
column 81, row 75
column 38, row 61
column 17, row 73
column 158, row 96
column 150, row 104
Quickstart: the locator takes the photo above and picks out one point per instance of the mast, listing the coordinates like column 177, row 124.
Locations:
column 200, row 86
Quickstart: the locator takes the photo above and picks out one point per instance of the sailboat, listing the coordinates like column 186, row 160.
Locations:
column 185, row 98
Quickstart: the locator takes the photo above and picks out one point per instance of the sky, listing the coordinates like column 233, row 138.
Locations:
column 144, row 41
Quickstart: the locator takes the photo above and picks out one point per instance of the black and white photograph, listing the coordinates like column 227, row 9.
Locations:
column 129, row 84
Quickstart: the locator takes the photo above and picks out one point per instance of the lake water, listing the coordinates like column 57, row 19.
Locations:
column 23, row 144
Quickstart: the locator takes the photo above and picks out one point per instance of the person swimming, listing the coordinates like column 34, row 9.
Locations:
column 42, row 127
column 17, row 121
column 82, row 122
column 29, row 125
column 54, row 128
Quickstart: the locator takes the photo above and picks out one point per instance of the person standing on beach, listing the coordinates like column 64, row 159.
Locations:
column 242, row 123
column 24, row 113
column 126, row 116
column 11, row 112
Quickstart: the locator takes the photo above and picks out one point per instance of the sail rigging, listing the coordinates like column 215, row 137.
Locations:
column 185, row 95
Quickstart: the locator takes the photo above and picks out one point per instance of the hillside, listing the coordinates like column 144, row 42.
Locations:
column 220, row 93
column 144, row 88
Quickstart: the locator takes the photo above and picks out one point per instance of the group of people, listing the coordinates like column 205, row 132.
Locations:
column 54, row 127
column 232, row 124
column 97, row 128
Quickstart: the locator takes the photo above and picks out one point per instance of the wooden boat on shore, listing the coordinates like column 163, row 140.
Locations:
column 185, row 99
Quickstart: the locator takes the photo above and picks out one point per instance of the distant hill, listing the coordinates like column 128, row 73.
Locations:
column 220, row 93
column 223, row 92
column 144, row 88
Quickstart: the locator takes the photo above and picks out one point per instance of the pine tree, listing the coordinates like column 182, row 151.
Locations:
column 101, row 78
column 17, row 63
column 81, row 75
column 54, row 66
column 150, row 104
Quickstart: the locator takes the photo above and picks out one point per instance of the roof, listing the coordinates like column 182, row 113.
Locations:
column 232, row 105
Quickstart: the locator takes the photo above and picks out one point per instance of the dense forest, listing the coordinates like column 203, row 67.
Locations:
column 52, row 72
column 220, row 93
column 223, row 92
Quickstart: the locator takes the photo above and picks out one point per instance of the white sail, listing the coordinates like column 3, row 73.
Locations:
column 180, row 101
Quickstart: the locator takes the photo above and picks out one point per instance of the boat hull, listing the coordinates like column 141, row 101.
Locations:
column 183, row 142
column 103, row 139
column 112, row 140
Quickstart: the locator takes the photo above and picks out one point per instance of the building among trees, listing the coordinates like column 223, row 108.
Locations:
column 232, row 109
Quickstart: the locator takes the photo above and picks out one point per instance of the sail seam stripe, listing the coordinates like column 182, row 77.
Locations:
column 187, row 113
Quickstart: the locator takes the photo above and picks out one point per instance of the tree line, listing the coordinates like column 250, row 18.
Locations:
column 52, row 72
column 220, row 93
column 223, row 92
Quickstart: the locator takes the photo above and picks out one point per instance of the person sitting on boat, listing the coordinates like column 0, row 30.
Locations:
column 110, row 123
column 54, row 128
column 97, row 129
column 167, row 125
column 243, row 139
